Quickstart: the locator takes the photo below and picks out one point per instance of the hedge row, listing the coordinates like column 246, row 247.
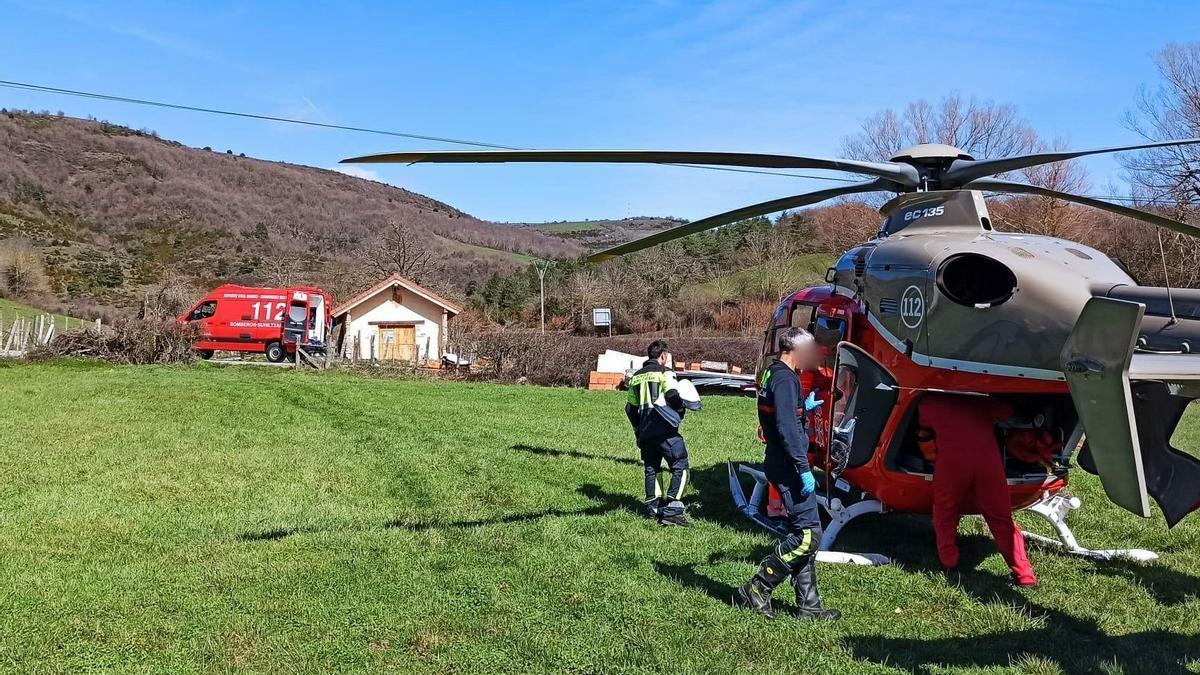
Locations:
column 561, row 359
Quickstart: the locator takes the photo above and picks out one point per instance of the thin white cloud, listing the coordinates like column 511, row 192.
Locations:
column 162, row 40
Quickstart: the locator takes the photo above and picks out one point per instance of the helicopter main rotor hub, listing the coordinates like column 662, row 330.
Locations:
column 931, row 160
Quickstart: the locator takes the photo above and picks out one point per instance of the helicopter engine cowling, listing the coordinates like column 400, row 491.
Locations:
column 945, row 288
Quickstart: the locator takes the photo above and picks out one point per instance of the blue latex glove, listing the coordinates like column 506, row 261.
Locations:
column 811, row 403
column 810, row 484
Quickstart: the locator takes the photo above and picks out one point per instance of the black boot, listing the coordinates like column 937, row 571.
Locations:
column 756, row 593
column 671, row 515
column 808, row 599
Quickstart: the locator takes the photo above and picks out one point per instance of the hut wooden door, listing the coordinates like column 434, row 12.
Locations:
column 398, row 343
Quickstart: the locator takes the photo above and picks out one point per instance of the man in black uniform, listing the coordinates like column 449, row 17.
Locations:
column 781, row 413
column 655, row 409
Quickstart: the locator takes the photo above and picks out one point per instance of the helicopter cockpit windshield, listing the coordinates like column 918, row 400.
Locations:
column 828, row 330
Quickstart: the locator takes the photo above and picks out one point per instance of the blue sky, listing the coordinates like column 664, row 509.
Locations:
column 725, row 75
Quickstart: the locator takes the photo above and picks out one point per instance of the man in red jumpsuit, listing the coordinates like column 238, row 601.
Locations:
column 969, row 477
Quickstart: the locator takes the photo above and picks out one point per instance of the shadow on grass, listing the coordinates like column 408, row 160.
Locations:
column 1074, row 645
column 686, row 576
column 707, row 496
column 1165, row 585
column 604, row 503
column 274, row 534
column 572, row 454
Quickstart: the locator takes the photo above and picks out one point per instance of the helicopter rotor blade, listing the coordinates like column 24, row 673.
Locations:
column 761, row 209
column 899, row 173
column 963, row 171
column 997, row 185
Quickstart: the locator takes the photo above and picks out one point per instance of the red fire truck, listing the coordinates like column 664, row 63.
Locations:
column 271, row 321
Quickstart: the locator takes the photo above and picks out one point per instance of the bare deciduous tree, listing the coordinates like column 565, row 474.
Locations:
column 583, row 292
column 399, row 250
column 984, row 130
column 981, row 128
column 844, row 224
column 771, row 252
column 1169, row 110
column 22, row 273
column 171, row 297
column 1167, row 178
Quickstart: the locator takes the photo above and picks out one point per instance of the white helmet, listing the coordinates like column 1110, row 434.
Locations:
column 688, row 394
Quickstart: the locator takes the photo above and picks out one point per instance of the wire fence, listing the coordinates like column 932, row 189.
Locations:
column 20, row 333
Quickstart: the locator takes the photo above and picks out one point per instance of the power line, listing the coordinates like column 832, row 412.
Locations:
column 437, row 139
column 383, row 132
column 1159, row 201
column 231, row 113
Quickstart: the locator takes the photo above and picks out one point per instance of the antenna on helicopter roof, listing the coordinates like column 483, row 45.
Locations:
column 1167, row 280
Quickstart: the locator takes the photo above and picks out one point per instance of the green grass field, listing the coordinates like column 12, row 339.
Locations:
column 499, row 253
column 207, row 519
column 570, row 227
column 809, row 267
column 10, row 310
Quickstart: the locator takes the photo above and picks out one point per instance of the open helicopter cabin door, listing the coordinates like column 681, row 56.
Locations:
column 1130, row 404
column 864, row 397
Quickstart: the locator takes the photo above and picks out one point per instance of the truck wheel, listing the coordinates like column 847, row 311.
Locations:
column 276, row 353
column 205, row 354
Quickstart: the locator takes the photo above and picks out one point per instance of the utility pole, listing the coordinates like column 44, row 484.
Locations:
column 541, row 272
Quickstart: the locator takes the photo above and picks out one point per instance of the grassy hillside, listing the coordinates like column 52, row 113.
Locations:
column 493, row 252
column 10, row 310
column 114, row 210
column 215, row 520
column 602, row 233
column 805, row 270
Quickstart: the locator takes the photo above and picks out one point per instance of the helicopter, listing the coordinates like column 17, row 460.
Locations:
column 1098, row 369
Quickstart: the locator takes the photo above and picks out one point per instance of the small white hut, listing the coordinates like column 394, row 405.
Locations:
column 395, row 320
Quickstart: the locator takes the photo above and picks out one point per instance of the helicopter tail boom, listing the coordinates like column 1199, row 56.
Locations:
column 1130, row 401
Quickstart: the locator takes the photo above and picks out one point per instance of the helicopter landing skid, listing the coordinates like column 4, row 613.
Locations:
column 839, row 516
column 1054, row 510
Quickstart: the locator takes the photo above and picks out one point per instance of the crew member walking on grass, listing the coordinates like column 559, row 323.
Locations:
column 781, row 413
column 655, row 408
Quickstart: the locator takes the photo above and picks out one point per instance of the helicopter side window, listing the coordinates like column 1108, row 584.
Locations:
column 846, row 385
